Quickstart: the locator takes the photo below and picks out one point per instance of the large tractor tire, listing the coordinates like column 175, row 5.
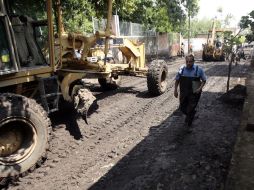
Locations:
column 24, row 135
column 110, row 83
column 157, row 78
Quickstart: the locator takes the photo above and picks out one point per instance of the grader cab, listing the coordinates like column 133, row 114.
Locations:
column 39, row 62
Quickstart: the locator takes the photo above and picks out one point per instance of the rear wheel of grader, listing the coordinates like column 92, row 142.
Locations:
column 24, row 135
column 110, row 83
column 222, row 57
column 157, row 77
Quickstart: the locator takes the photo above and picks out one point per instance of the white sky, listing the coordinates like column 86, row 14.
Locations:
column 238, row 8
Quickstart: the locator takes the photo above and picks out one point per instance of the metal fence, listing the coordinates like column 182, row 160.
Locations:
column 99, row 24
column 155, row 43
column 126, row 28
column 131, row 29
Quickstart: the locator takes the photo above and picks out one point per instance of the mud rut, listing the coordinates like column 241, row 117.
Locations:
column 135, row 141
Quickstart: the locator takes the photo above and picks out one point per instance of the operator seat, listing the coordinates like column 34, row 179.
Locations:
column 28, row 51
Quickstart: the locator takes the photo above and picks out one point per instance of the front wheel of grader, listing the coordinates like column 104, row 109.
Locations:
column 24, row 135
column 157, row 77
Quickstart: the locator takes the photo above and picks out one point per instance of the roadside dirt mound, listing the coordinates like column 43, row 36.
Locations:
column 235, row 96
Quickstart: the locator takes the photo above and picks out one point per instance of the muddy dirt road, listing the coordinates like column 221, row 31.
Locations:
column 134, row 141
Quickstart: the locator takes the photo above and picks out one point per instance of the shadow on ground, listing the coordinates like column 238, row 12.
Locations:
column 215, row 70
column 67, row 116
column 171, row 157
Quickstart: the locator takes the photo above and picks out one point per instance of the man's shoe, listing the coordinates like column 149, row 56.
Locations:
column 193, row 114
column 189, row 130
column 186, row 119
column 191, row 118
column 190, row 122
column 178, row 112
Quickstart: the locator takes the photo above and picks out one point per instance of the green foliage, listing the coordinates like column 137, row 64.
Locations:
column 191, row 6
column 164, row 16
column 77, row 15
column 164, row 24
column 234, row 40
column 199, row 27
column 231, row 40
column 35, row 9
column 176, row 14
column 126, row 8
column 247, row 22
column 151, row 13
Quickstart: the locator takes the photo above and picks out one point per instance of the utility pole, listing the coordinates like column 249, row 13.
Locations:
column 189, row 29
column 107, row 32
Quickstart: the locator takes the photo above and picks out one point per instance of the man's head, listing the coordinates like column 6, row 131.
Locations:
column 189, row 60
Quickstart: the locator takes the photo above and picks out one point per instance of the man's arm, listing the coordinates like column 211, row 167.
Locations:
column 177, row 80
column 176, row 87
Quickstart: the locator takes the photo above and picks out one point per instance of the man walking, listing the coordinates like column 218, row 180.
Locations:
column 182, row 49
column 191, row 79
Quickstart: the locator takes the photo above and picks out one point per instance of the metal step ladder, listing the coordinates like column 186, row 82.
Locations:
column 49, row 93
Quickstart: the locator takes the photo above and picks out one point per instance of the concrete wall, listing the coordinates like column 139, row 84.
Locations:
column 196, row 44
column 165, row 44
column 168, row 44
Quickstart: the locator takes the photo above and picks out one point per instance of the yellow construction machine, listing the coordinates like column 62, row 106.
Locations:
column 39, row 62
column 213, row 50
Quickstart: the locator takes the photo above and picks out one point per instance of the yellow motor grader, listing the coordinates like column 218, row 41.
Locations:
column 39, row 62
column 213, row 50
